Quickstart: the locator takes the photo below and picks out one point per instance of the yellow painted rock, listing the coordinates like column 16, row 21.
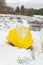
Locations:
column 20, row 37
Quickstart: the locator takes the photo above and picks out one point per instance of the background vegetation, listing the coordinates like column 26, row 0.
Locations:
column 19, row 11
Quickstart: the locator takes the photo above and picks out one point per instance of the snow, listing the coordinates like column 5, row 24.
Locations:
column 10, row 55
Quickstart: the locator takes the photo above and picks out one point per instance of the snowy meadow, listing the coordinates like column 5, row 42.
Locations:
column 10, row 55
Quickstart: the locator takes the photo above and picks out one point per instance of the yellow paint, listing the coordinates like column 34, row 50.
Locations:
column 20, row 37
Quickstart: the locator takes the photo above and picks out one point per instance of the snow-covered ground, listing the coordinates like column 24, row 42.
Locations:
column 10, row 55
